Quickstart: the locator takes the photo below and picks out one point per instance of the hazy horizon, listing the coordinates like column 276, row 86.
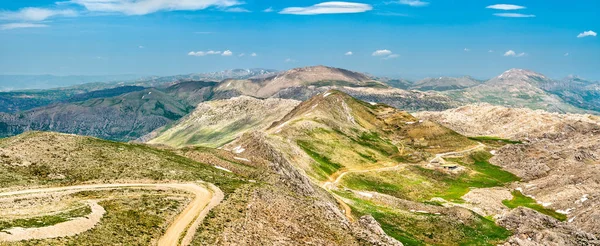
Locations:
column 390, row 75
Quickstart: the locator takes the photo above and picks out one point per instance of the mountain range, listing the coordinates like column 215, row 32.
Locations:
column 328, row 170
column 132, row 111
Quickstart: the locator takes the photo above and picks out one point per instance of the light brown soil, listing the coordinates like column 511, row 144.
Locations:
column 184, row 224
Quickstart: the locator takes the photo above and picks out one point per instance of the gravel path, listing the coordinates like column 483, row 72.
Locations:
column 190, row 218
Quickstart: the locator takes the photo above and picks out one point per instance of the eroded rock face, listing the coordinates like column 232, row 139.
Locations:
column 511, row 123
column 532, row 228
column 559, row 161
column 370, row 224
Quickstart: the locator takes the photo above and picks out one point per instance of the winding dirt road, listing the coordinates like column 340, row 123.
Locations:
column 480, row 145
column 205, row 199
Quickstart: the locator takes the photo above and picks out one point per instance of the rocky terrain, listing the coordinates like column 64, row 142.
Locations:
column 364, row 153
column 332, row 170
column 558, row 161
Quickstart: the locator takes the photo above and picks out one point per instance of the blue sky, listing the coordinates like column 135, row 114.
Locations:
column 400, row 38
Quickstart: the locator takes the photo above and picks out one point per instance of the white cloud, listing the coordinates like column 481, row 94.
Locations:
column 196, row 53
column 227, row 53
column 514, row 54
column 514, row 15
column 204, row 53
column 392, row 56
column 467, row 49
column 505, row 7
column 382, row 53
column 141, row 47
column 490, row 51
column 587, row 34
column 35, row 14
column 253, row 54
column 237, row 10
column 328, row 8
column 143, row 7
column 414, row 3
column 243, row 54
column 289, row 60
column 9, row 26
column 349, row 53
column 269, row 10
column 567, row 54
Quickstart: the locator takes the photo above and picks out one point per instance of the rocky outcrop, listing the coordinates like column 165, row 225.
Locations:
column 373, row 233
column 559, row 161
column 512, row 123
column 531, row 228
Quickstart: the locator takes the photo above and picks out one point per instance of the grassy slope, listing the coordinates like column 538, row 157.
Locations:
column 494, row 140
column 46, row 220
column 216, row 123
column 413, row 228
column 379, row 136
column 84, row 159
column 340, row 132
column 419, row 184
column 520, row 200
column 131, row 218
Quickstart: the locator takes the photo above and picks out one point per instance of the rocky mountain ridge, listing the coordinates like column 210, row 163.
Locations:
column 558, row 161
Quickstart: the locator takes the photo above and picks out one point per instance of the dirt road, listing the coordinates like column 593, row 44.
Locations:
column 438, row 156
column 204, row 200
column 330, row 185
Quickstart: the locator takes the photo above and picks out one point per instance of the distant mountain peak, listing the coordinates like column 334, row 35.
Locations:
column 325, row 72
column 517, row 73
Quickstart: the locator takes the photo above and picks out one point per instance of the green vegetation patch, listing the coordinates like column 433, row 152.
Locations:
column 430, row 229
column 482, row 165
column 520, row 200
column 333, row 150
column 47, row 220
column 494, row 140
column 373, row 141
column 485, row 175
column 404, row 184
column 325, row 167
column 420, row 184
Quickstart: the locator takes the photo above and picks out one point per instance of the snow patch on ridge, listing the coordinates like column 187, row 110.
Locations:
column 238, row 149
column 241, row 159
column 224, row 169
